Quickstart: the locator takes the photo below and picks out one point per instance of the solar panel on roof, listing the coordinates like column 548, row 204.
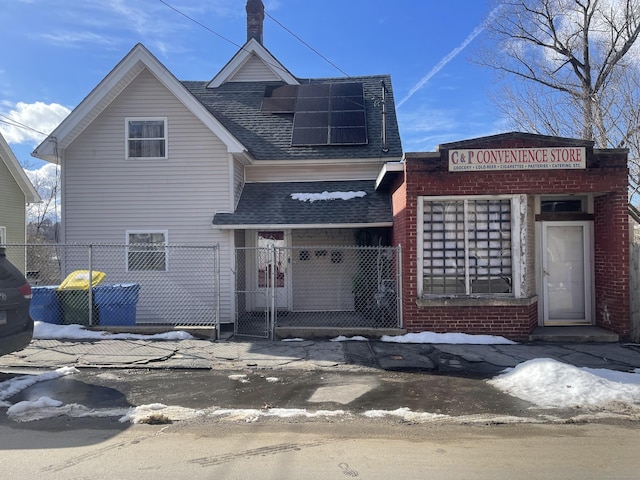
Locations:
column 280, row 99
column 345, row 123
column 348, row 136
column 310, row 136
column 324, row 113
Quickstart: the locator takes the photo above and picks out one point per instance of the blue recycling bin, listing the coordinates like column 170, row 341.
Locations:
column 116, row 303
column 45, row 304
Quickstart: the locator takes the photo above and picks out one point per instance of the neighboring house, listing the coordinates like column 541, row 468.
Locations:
column 514, row 232
column 146, row 158
column 16, row 191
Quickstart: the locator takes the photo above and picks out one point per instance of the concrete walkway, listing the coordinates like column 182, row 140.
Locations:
column 481, row 360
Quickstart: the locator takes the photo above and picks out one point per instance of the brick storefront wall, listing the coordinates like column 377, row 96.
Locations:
column 605, row 176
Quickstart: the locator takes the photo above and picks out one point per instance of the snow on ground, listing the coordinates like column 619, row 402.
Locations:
column 548, row 383
column 48, row 331
column 431, row 337
column 544, row 382
column 457, row 338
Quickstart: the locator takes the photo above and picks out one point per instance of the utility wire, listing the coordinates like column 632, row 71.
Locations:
column 200, row 24
column 375, row 96
column 15, row 123
column 241, row 47
column 307, row 45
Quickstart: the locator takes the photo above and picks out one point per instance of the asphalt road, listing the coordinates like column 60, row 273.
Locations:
column 471, row 430
column 322, row 450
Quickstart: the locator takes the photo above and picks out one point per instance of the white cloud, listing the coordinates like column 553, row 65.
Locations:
column 39, row 116
column 67, row 38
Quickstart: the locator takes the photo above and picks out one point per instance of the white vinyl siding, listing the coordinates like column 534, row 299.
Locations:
column 238, row 181
column 105, row 194
column 315, row 172
column 319, row 282
column 253, row 70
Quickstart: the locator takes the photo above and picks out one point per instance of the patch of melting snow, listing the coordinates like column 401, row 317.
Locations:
column 546, row 383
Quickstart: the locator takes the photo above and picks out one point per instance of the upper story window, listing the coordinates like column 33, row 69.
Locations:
column 466, row 246
column 3, row 235
column 146, row 137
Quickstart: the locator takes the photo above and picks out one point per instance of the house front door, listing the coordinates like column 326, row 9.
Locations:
column 272, row 269
column 566, row 273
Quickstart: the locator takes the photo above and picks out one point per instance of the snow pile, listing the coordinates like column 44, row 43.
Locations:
column 48, row 331
column 356, row 338
column 313, row 197
column 15, row 385
column 548, row 383
column 142, row 413
column 431, row 337
column 451, row 338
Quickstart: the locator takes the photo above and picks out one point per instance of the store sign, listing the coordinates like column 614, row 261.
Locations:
column 553, row 158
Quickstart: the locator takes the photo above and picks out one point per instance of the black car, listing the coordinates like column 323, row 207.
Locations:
column 16, row 326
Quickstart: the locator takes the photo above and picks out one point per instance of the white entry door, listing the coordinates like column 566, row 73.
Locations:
column 566, row 273
column 272, row 262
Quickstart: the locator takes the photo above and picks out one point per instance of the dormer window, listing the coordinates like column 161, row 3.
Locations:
column 146, row 138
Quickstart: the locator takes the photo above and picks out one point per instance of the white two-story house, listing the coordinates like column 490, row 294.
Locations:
column 236, row 160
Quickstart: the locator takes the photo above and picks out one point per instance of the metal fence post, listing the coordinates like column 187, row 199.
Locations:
column 90, row 292
column 272, row 291
column 216, row 280
column 399, row 286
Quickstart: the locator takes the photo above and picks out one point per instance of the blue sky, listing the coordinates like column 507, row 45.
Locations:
column 54, row 52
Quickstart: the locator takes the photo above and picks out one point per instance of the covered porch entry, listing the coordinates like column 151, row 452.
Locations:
column 308, row 280
column 313, row 255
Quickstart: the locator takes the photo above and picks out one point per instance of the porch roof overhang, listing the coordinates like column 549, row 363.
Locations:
column 329, row 204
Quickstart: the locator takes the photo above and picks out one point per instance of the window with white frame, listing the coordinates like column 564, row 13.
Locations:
column 146, row 137
column 3, row 235
column 146, row 251
column 466, row 246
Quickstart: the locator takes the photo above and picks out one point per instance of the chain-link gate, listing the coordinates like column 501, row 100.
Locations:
column 316, row 286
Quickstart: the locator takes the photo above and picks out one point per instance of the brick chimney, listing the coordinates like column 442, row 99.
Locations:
column 255, row 19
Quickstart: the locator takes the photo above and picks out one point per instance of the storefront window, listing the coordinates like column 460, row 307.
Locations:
column 466, row 246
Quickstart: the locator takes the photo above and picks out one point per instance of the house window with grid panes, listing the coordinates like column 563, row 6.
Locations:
column 146, row 138
column 146, row 251
column 466, row 247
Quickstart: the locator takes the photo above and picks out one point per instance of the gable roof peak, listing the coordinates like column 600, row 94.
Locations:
column 252, row 50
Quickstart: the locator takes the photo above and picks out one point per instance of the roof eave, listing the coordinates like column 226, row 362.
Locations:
column 287, row 226
column 126, row 71
column 17, row 172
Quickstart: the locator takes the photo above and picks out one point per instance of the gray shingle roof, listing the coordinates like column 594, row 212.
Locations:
column 272, row 204
column 237, row 105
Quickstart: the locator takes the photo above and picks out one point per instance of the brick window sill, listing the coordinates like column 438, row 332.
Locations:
column 475, row 301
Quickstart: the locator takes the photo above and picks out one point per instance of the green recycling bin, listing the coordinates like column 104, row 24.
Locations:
column 74, row 308
column 73, row 295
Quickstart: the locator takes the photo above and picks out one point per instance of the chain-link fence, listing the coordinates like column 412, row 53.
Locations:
column 317, row 286
column 141, row 284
